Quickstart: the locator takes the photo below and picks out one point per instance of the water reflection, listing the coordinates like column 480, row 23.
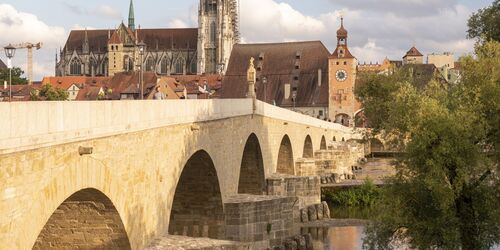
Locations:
column 338, row 238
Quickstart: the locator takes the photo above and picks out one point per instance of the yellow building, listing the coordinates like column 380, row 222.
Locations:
column 342, row 68
column 413, row 56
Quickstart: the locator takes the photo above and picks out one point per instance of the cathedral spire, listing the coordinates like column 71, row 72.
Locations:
column 131, row 16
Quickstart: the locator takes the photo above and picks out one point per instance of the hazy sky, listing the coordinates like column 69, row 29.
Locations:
column 377, row 28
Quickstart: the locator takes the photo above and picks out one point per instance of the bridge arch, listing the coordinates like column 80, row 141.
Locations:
column 252, row 176
column 197, row 209
column 285, row 157
column 87, row 219
column 308, row 148
column 323, row 143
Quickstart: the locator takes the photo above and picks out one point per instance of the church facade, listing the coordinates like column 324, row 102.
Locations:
column 189, row 51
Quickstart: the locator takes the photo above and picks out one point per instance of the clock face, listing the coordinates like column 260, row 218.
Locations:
column 341, row 75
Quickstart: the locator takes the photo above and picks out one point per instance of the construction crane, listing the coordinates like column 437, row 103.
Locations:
column 29, row 47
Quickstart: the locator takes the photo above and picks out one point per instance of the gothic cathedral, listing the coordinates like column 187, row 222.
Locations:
column 343, row 105
column 190, row 51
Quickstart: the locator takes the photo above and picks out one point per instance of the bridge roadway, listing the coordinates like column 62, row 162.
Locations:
column 149, row 161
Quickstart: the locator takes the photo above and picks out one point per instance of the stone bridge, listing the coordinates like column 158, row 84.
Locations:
column 117, row 175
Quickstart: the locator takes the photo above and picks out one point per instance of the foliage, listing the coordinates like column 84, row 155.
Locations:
column 48, row 93
column 364, row 195
column 16, row 76
column 446, row 192
column 485, row 24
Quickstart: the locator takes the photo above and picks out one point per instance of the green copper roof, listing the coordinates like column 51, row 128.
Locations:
column 131, row 18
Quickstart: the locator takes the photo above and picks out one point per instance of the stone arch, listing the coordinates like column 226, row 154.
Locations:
column 252, row 177
column 323, row 143
column 87, row 220
column 197, row 209
column 308, row 148
column 285, row 157
column 343, row 119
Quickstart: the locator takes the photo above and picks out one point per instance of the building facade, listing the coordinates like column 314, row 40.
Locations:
column 342, row 65
column 205, row 49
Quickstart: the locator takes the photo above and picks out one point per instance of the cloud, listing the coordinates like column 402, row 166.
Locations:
column 405, row 8
column 19, row 27
column 106, row 11
column 276, row 21
column 177, row 23
column 377, row 30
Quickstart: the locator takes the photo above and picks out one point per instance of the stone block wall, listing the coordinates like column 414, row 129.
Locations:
column 86, row 220
column 306, row 167
column 264, row 221
column 306, row 189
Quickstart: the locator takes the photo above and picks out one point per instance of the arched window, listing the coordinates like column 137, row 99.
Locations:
column 104, row 67
column 150, row 64
column 164, row 65
column 128, row 63
column 75, row 67
column 92, row 67
column 213, row 33
column 179, row 66
column 193, row 67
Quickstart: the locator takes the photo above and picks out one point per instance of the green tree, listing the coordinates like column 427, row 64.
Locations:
column 16, row 76
column 485, row 24
column 48, row 93
column 446, row 192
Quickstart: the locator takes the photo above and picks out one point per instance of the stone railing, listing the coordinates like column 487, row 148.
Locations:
column 28, row 125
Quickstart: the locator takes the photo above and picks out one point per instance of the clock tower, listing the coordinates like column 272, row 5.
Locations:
column 342, row 68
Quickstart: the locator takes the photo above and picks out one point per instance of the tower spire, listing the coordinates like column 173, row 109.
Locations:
column 131, row 16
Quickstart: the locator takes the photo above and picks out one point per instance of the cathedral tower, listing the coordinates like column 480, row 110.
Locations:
column 131, row 16
column 217, row 33
column 343, row 105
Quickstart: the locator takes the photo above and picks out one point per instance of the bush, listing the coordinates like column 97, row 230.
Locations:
column 364, row 195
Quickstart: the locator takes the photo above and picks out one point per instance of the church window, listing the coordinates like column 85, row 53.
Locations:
column 75, row 67
column 164, row 65
column 150, row 64
column 194, row 67
column 179, row 66
column 213, row 34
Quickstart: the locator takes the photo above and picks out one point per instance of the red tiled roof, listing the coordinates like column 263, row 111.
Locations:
column 65, row 82
column 294, row 63
column 413, row 52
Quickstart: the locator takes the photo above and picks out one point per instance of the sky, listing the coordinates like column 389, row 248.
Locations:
column 377, row 28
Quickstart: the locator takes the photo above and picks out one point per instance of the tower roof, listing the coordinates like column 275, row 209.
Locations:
column 342, row 32
column 131, row 16
column 413, row 52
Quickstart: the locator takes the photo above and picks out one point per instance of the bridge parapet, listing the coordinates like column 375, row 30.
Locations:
column 30, row 125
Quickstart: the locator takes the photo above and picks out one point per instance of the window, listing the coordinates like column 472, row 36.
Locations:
column 213, row 34
column 163, row 65
column 75, row 67
column 338, row 63
column 321, row 113
column 150, row 64
column 179, row 66
column 345, row 63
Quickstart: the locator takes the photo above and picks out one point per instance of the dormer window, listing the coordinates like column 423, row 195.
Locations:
column 298, row 55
